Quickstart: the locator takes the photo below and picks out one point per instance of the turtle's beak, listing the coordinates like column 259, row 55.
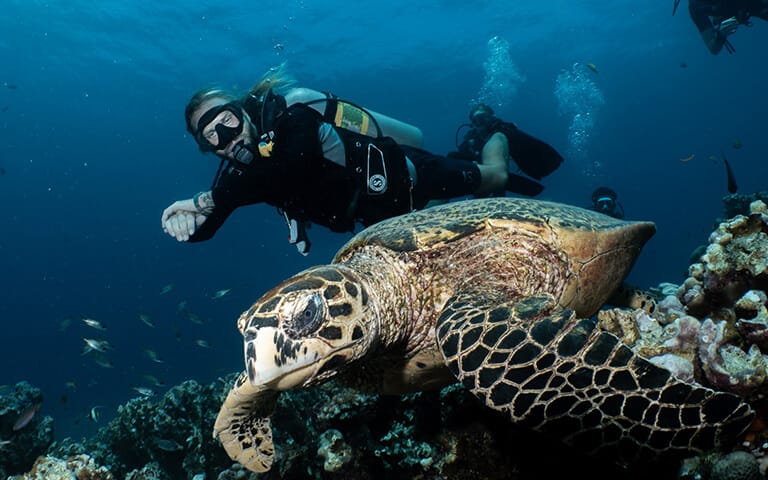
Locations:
column 277, row 362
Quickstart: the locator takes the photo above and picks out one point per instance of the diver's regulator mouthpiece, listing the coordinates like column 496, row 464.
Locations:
column 242, row 153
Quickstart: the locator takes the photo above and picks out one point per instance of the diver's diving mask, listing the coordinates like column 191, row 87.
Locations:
column 481, row 115
column 605, row 204
column 219, row 126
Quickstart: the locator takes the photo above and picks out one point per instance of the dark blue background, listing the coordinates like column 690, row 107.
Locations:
column 94, row 147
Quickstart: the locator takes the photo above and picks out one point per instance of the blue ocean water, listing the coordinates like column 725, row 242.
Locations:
column 94, row 147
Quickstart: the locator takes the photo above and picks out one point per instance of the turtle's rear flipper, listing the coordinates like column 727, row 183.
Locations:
column 559, row 375
column 243, row 425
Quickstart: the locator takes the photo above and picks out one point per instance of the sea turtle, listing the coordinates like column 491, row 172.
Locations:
column 496, row 293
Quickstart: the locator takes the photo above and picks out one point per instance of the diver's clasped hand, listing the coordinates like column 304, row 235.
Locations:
column 181, row 219
column 728, row 26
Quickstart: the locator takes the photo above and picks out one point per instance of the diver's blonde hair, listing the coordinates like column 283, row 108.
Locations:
column 277, row 78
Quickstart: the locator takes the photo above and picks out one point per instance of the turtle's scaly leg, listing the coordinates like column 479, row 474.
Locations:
column 243, row 425
column 559, row 375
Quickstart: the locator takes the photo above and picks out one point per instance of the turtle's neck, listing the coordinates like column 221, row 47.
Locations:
column 390, row 296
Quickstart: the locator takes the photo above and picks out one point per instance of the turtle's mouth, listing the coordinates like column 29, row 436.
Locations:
column 277, row 362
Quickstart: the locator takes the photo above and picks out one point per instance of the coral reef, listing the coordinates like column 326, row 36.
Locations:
column 334, row 450
column 25, row 434
column 735, row 261
column 715, row 328
column 738, row 203
column 737, row 465
column 80, row 467
column 174, row 432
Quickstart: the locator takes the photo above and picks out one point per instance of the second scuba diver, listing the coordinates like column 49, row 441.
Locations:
column 533, row 157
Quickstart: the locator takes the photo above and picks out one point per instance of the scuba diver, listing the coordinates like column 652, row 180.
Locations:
column 716, row 20
column 605, row 201
column 318, row 159
column 533, row 157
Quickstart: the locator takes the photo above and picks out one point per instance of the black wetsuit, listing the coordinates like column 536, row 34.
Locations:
column 299, row 179
column 706, row 14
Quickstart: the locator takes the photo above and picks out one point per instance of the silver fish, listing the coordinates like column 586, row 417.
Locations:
column 221, row 293
column 167, row 445
column 95, row 344
column 95, row 414
column 146, row 319
column 144, row 391
column 153, row 355
column 93, row 323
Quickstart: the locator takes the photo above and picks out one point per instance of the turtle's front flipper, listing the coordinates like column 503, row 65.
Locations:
column 559, row 375
column 243, row 425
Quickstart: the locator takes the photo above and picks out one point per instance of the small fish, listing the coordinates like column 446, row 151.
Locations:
column 71, row 384
column 26, row 417
column 153, row 355
column 102, row 361
column 95, row 344
column 683, row 65
column 146, row 319
column 221, row 293
column 144, row 391
column 9, row 86
column 688, row 158
column 5, row 443
column 154, row 381
column 737, row 144
column 167, row 445
column 182, row 306
column 194, row 318
column 732, row 186
column 5, row 109
column 93, row 323
column 95, row 413
column 65, row 323
column 167, row 289
column 592, row 67
column 202, row 343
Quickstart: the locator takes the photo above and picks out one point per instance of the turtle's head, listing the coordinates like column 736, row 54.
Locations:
column 308, row 328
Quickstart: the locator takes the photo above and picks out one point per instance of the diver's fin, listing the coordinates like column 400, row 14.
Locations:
column 534, row 157
column 523, row 186
column 674, row 7
column 732, row 186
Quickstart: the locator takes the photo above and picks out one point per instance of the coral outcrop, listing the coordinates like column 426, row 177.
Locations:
column 79, row 467
column 714, row 330
column 25, row 433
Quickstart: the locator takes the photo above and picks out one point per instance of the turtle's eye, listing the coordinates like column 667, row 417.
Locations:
column 308, row 319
